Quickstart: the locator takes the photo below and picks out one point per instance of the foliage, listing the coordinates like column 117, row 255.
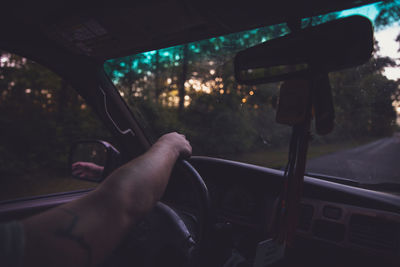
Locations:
column 40, row 118
column 363, row 101
column 389, row 13
column 222, row 117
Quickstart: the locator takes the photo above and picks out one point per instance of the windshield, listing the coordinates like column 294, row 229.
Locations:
column 191, row 89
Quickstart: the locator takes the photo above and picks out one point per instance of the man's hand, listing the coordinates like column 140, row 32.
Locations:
column 87, row 170
column 176, row 142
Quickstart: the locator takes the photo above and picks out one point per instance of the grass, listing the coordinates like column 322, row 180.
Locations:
column 277, row 158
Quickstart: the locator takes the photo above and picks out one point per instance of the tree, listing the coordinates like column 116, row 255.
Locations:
column 183, row 78
column 363, row 100
column 40, row 117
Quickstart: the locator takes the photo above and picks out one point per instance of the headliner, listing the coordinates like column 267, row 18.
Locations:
column 107, row 29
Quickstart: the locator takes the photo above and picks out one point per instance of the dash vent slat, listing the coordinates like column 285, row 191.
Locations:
column 374, row 232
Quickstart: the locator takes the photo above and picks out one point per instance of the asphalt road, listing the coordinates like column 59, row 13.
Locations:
column 376, row 162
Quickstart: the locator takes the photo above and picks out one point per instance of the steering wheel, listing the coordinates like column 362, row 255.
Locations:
column 168, row 237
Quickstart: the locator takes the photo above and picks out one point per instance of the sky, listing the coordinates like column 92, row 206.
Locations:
column 390, row 49
column 386, row 38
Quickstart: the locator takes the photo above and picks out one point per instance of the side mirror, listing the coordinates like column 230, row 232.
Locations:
column 92, row 160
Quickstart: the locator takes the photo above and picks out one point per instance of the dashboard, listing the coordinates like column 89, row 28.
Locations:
column 338, row 224
column 353, row 228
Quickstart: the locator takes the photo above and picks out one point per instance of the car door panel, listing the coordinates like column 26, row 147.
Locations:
column 22, row 208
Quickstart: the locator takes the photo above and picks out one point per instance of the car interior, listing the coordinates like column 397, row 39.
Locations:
column 226, row 208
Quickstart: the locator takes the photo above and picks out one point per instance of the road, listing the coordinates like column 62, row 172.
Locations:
column 376, row 162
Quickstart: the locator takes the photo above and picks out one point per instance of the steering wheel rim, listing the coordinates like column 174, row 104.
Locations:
column 204, row 201
column 165, row 229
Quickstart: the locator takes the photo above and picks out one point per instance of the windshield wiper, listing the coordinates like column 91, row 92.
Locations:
column 332, row 178
column 386, row 186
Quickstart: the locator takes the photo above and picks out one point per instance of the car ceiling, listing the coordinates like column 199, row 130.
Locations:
column 107, row 29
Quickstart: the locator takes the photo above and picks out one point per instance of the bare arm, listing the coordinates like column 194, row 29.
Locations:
column 84, row 232
column 89, row 170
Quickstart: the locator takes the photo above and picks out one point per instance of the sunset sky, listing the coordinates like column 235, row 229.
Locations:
column 386, row 38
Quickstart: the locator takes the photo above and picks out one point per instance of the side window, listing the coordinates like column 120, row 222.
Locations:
column 40, row 117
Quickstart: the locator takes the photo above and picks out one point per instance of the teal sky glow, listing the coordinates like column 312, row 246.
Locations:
column 370, row 11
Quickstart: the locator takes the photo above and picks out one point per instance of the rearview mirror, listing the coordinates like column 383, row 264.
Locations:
column 327, row 47
column 92, row 160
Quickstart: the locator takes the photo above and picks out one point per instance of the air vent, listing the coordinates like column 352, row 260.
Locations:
column 374, row 232
column 305, row 218
column 329, row 230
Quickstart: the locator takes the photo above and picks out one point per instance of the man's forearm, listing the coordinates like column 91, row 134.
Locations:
column 130, row 183
column 84, row 232
column 80, row 233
